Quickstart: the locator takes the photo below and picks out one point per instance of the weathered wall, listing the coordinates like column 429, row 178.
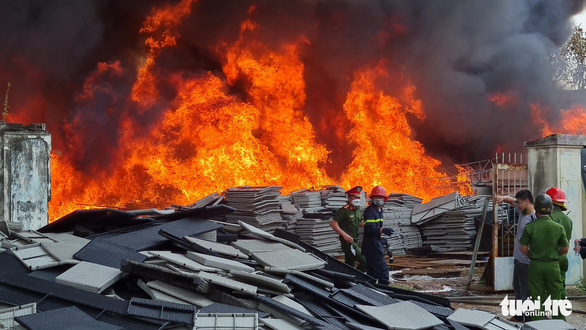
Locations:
column 25, row 179
column 556, row 161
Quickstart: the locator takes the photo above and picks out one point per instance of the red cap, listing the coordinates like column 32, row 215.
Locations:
column 354, row 191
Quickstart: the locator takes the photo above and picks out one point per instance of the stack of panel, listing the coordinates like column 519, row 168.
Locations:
column 308, row 200
column 404, row 200
column 453, row 230
column 314, row 229
column 257, row 206
column 290, row 213
column 406, row 235
column 333, row 197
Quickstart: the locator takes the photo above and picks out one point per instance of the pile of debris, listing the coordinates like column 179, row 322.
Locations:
column 109, row 269
column 398, row 212
column 447, row 222
column 257, row 206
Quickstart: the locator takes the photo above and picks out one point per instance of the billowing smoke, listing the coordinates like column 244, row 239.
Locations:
column 456, row 53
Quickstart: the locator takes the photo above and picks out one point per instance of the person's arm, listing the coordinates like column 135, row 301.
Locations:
column 506, row 199
column 371, row 224
column 524, row 241
column 336, row 227
column 563, row 243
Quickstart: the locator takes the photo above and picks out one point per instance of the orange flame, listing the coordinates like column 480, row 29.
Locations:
column 385, row 154
column 572, row 121
column 503, row 99
column 208, row 139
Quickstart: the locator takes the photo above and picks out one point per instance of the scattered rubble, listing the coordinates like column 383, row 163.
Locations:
column 153, row 269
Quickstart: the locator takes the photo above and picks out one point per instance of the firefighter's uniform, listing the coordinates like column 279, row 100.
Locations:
column 372, row 245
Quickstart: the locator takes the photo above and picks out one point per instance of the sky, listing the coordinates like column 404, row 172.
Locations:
column 580, row 19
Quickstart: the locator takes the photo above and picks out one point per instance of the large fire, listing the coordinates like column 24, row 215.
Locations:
column 208, row 140
column 573, row 120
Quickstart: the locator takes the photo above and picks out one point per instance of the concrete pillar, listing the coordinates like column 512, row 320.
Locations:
column 25, row 176
column 555, row 160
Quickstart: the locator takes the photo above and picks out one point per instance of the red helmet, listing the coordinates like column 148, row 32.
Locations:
column 380, row 192
column 557, row 195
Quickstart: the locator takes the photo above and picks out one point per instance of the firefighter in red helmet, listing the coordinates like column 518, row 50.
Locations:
column 372, row 244
column 558, row 197
column 346, row 223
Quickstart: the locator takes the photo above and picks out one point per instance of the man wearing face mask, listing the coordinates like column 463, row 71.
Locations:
column 346, row 223
column 372, row 245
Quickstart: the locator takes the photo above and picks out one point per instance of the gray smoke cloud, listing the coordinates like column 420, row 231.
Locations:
column 456, row 53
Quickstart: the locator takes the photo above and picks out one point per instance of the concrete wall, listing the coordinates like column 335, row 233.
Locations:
column 556, row 161
column 25, row 176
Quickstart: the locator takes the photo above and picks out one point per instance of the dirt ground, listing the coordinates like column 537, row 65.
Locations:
column 458, row 287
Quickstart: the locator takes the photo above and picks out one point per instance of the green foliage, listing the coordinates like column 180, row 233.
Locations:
column 570, row 62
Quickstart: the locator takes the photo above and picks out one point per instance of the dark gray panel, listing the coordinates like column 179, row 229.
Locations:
column 162, row 310
column 374, row 295
column 290, row 311
column 73, row 295
column 107, row 253
column 11, row 265
column 63, row 318
column 346, row 299
column 49, row 274
column 436, row 310
column 149, row 238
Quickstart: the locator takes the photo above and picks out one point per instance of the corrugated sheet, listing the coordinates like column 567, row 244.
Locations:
column 107, row 253
column 149, row 238
column 63, row 318
column 162, row 310
column 226, row 282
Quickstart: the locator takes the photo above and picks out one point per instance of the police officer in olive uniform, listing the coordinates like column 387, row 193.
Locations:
column 547, row 242
column 346, row 223
column 558, row 197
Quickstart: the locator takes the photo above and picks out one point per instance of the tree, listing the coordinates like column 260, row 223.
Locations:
column 570, row 62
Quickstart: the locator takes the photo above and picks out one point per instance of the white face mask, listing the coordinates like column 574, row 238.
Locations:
column 355, row 202
column 378, row 202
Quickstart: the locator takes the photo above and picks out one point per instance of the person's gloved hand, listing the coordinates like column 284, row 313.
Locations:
column 388, row 231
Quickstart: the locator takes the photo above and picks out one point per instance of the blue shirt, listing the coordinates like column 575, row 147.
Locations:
column 523, row 221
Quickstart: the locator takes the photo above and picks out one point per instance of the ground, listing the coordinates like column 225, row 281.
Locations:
column 458, row 287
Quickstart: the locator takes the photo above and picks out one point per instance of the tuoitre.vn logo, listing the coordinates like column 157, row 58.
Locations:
column 530, row 307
